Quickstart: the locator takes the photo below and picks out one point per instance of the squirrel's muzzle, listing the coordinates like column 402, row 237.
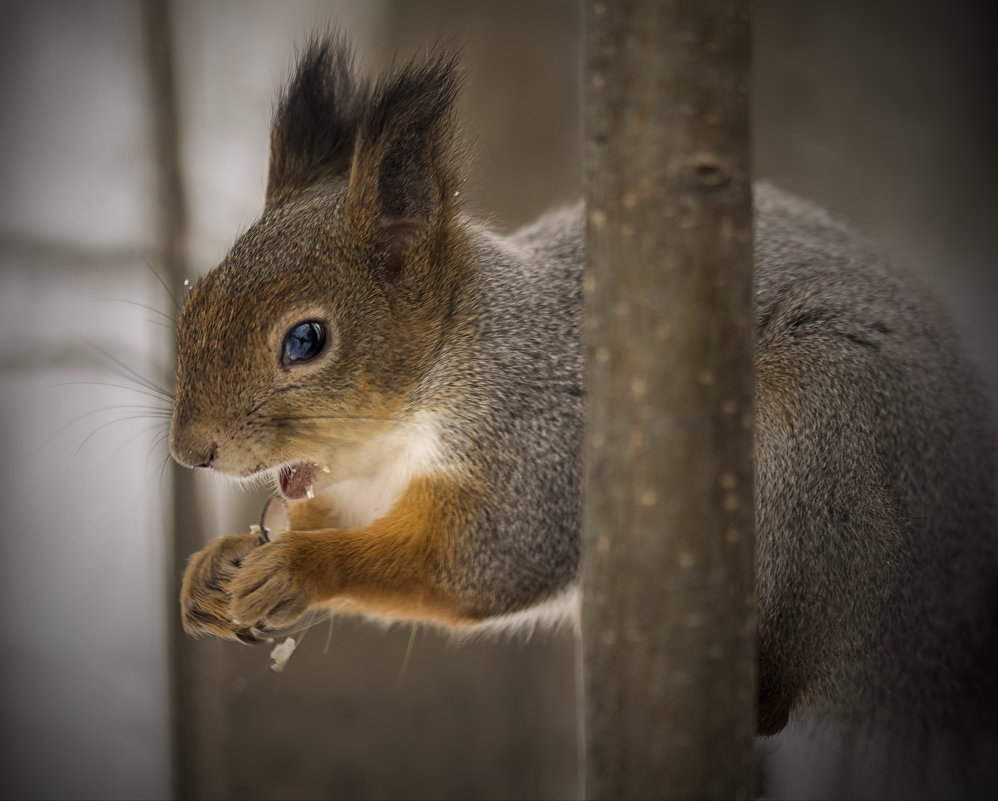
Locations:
column 192, row 446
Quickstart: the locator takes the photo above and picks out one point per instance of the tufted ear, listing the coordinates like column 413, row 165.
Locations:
column 316, row 119
column 405, row 168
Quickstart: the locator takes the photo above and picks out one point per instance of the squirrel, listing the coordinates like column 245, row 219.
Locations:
column 413, row 384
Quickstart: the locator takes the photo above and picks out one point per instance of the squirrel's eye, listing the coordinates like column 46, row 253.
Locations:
column 303, row 342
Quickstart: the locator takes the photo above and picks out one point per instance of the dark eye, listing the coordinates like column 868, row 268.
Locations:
column 303, row 342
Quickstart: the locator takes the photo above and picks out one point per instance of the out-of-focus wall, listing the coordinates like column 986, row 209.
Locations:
column 83, row 696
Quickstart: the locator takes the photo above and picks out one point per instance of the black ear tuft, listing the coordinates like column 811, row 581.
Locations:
column 405, row 160
column 315, row 122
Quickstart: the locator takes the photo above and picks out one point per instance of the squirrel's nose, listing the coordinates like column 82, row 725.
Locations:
column 211, row 456
column 192, row 448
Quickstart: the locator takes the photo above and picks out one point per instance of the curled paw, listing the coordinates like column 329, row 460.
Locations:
column 206, row 590
column 273, row 588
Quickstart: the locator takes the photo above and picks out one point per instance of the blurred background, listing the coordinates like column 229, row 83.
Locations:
column 133, row 143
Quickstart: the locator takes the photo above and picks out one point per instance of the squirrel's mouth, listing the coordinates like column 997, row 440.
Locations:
column 296, row 481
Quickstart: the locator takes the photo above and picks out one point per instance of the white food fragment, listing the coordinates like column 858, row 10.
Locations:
column 255, row 529
column 282, row 653
column 310, row 493
column 325, row 468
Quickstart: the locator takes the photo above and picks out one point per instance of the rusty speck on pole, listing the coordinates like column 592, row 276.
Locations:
column 668, row 607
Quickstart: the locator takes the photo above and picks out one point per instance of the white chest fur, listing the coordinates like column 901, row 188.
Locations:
column 365, row 481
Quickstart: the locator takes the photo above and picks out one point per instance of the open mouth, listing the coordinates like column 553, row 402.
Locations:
column 295, row 481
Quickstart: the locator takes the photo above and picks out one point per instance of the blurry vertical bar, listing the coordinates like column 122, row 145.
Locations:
column 668, row 608
column 193, row 713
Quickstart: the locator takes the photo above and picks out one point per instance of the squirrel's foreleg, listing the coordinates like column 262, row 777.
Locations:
column 392, row 566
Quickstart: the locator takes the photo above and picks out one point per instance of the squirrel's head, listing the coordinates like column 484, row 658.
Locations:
column 316, row 327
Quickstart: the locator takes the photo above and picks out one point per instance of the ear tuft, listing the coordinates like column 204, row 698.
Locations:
column 405, row 159
column 316, row 119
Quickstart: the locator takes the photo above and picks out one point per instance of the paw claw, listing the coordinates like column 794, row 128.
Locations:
column 246, row 637
column 205, row 595
column 268, row 593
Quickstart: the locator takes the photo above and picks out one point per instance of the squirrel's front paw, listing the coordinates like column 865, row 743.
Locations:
column 274, row 587
column 206, row 589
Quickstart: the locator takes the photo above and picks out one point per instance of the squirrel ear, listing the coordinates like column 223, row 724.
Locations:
column 315, row 121
column 404, row 169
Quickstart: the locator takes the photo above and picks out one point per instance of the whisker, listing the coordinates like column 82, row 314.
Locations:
column 159, row 278
column 351, row 418
column 311, row 620
column 160, row 438
column 153, row 309
column 105, row 425
column 408, row 653
column 329, row 636
column 162, row 470
column 309, row 623
column 135, row 436
column 150, row 393
column 137, row 376
column 152, row 411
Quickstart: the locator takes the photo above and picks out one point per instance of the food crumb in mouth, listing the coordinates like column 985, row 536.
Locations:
column 295, row 481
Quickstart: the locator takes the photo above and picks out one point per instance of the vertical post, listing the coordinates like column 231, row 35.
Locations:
column 191, row 706
column 668, row 608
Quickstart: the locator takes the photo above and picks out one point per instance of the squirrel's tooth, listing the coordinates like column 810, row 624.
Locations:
column 310, row 493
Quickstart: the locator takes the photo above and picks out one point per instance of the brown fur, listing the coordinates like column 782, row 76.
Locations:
column 389, row 567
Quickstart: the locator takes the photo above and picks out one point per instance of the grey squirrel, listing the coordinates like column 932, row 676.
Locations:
column 412, row 383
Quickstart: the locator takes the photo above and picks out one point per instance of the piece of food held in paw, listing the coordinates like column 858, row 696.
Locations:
column 281, row 653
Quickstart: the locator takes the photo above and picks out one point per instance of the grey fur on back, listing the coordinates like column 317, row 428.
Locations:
column 520, row 422
column 877, row 537
column 876, row 528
